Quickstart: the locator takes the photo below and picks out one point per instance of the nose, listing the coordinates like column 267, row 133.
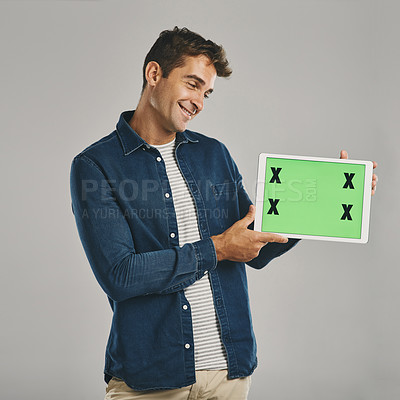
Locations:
column 198, row 102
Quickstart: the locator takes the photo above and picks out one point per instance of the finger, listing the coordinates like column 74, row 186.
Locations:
column 374, row 164
column 249, row 217
column 374, row 184
column 344, row 155
column 266, row 237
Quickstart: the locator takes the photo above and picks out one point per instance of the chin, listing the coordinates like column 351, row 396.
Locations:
column 178, row 124
column 180, row 128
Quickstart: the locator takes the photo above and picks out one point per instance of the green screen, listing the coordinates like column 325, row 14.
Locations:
column 313, row 198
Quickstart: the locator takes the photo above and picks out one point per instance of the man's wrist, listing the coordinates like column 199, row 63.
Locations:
column 219, row 247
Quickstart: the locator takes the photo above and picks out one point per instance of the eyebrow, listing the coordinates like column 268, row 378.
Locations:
column 198, row 79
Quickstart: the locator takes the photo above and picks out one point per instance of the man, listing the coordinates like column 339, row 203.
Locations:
column 164, row 221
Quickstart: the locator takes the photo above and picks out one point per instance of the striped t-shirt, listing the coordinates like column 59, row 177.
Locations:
column 209, row 352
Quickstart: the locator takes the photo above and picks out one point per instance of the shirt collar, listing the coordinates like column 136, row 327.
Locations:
column 131, row 141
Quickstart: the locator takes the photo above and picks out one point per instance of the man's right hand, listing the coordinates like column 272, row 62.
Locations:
column 240, row 244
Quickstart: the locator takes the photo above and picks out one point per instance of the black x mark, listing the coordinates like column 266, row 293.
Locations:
column 349, row 183
column 346, row 214
column 273, row 204
column 275, row 173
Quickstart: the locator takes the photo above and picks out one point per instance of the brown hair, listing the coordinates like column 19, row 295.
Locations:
column 172, row 46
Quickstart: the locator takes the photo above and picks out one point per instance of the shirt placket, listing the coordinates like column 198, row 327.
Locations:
column 221, row 311
column 187, row 332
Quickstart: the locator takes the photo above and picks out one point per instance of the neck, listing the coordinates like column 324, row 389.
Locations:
column 145, row 123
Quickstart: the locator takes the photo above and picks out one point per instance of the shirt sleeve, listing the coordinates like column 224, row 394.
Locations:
column 107, row 240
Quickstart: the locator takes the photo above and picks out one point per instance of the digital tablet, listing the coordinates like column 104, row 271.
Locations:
column 314, row 198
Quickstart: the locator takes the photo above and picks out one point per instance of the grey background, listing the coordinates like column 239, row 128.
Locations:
column 310, row 78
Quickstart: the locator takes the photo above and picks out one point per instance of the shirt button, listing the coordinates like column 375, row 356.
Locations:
column 187, row 346
column 185, row 307
column 172, row 234
column 167, row 195
column 158, row 159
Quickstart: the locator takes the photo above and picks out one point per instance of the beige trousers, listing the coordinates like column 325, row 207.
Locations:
column 210, row 385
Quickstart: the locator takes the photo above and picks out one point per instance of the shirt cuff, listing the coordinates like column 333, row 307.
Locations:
column 206, row 256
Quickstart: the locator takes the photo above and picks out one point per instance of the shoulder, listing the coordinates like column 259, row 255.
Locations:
column 99, row 145
column 211, row 151
column 207, row 141
column 100, row 149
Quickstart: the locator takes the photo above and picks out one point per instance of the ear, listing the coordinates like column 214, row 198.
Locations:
column 153, row 73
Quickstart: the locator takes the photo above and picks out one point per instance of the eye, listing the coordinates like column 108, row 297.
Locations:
column 206, row 96
column 193, row 86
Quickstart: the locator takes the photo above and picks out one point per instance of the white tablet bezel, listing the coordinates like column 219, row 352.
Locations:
column 262, row 160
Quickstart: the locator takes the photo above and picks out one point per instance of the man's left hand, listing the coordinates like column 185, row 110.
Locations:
column 344, row 155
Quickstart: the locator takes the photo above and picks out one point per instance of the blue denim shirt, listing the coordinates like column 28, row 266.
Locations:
column 124, row 211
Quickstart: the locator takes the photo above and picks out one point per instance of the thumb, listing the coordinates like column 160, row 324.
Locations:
column 344, row 155
column 249, row 217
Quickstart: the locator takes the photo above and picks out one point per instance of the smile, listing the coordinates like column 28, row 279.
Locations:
column 187, row 112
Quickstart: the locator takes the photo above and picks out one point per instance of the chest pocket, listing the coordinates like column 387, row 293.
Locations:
column 224, row 191
column 226, row 212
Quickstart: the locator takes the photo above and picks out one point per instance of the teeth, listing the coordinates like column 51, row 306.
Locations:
column 187, row 112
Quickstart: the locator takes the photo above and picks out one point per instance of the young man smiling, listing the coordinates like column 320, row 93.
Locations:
column 163, row 217
column 168, row 104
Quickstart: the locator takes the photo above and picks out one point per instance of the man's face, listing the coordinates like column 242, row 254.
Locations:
column 180, row 97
